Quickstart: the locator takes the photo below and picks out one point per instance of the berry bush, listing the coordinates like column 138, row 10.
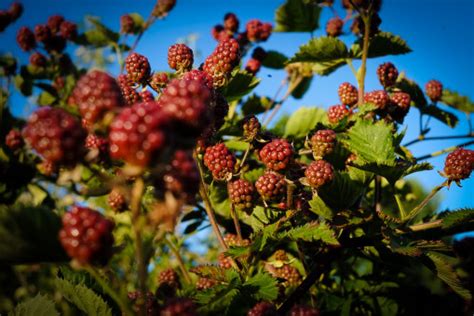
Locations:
column 108, row 187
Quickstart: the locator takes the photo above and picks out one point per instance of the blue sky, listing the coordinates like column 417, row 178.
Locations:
column 440, row 33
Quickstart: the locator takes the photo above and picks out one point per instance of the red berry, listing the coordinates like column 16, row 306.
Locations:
column 117, row 201
column 94, row 141
column 38, row 60
column 358, row 26
column 241, row 193
column 290, row 274
column 334, row 27
column 224, row 261
column 203, row 284
column 158, row 81
column 127, row 24
column 221, row 62
column 262, row 309
column 182, row 176
column 271, row 185
column 459, row 164
column 257, row 31
column 199, row 75
column 138, row 68
column 434, row 90
column 146, row 96
column 68, row 30
column 379, row 98
column 179, row 307
column 54, row 23
column 277, row 154
column 220, row 161
column 231, row 22
column 129, row 94
column 15, row 10
column 319, row 173
column 47, row 168
column 55, row 135
column 301, row 310
column 216, row 31
column 399, row 105
column 348, row 94
column 86, row 235
column 233, row 240
column 323, row 142
column 42, row 33
column 151, row 304
column 169, row 277
column 26, row 39
column 388, row 74
column 14, row 140
column 253, row 66
column 163, row 7
column 180, row 57
column 251, row 127
column 337, row 113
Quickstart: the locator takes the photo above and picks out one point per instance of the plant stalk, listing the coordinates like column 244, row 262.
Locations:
column 365, row 51
column 181, row 265
column 235, row 218
column 423, row 203
column 444, row 151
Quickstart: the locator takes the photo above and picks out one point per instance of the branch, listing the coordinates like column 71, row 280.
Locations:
column 423, row 138
column 444, row 151
column 423, row 203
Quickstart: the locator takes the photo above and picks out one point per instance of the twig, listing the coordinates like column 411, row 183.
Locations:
column 422, row 138
column 447, row 150
column 181, row 265
column 235, row 218
column 280, row 103
column 365, row 51
column 244, row 158
column 423, row 203
column 401, row 208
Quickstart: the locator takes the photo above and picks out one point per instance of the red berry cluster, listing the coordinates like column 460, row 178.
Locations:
column 271, row 185
column 258, row 31
column 9, row 16
column 221, row 62
column 179, row 307
column 182, row 176
column 220, row 161
column 158, row 81
column 251, row 127
column 150, row 303
column 434, row 90
column 348, row 94
column 169, row 277
column 334, row 27
column 203, row 284
column 255, row 62
column 459, row 164
column 379, row 98
column 138, row 68
column 277, row 154
column 14, row 140
column 262, row 309
column 323, row 142
column 241, row 193
column 387, row 74
column 127, row 24
column 180, row 57
column 319, row 173
column 337, row 113
column 117, row 201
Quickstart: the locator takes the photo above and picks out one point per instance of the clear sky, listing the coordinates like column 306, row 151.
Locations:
column 440, row 33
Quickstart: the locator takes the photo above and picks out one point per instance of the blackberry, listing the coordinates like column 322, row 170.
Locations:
column 129, row 94
column 96, row 93
column 241, row 193
column 138, row 68
column 323, row 142
column 337, row 113
column 199, row 75
column 14, row 140
column 348, row 94
column 459, row 164
column 263, row 309
column 271, row 185
column 54, row 23
column 38, row 60
column 301, row 310
column 379, row 98
column 26, row 39
column 224, row 261
column 253, row 66
column 86, row 235
column 15, row 10
column 334, row 27
column 434, row 90
column 182, row 176
column 179, row 307
column 138, row 133
column 259, row 54
column 231, row 22
column 158, row 81
column 221, row 62
column 233, row 240
column 257, row 31
column 55, row 135
column 127, row 24
column 203, row 284
column 251, row 127
column 319, row 173
column 68, row 30
column 277, row 154
column 117, row 201
column 288, row 273
column 146, row 96
column 358, row 27
column 388, row 74
column 399, row 105
column 151, row 304
column 180, row 57
column 168, row 277
column 220, row 161
column 42, row 33
column 163, row 7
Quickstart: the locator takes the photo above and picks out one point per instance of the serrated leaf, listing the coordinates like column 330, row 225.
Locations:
column 303, row 121
column 457, row 101
column 457, row 217
column 210, row 272
column 408, row 251
column 302, row 88
column 327, row 67
column 255, row 105
column 413, row 89
column 342, row 192
column 265, row 287
column 321, row 50
column 381, row 44
column 240, row 84
column 312, row 231
column 320, row 208
column 395, row 171
column 297, row 16
column 274, row 60
column 40, row 305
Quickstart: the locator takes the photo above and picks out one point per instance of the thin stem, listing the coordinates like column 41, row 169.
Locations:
column 423, row 203
column 118, row 52
column 280, row 103
column 351, row 66
column 401, row 208
column 244, row 158
column 235, row 218
column 447, row 150
column 365, row 51
column 424, row 226
column 181, row 265
column 422, row 138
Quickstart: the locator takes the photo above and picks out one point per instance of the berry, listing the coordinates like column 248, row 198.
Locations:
column 253, row 66
column 220, row 161
column 348, row 94
column 137, row 134
column 290, row 274
column 55, row 44
column 241, row 193
column 182, row 176
column 42, row 33
column 225, row 262
column 26, row 39
column 301, row 310
column 399, row 105
column 388, row 74
column 221, row 62
column 151, row 304
column 205, row 283
column 257, row 31
column 129, row 94
column 179, row 307
column 138, row 68
column 158, row 81
column 251, row 127
column 94, row 141
column 38, row 60
column 280, row 255
column 15, row 10
column 319, row 173
column 323, row 142
column 271, row 185
column 216, row 31
column 199, row 75
column 434, row 90
column 231, row 22
column 337, row 113
column 68, row 30
column 117, row 201
column 146, row 96
column 47, row 168
column 262, row 309
column 54, row 23
column 14, row 140
column 127, row 25
column 233, row 240
column 55, row 135
column 459, row 164
column 180, row 57
column 277, row 154
column 169, row 277
column 96, row 93
column 86, row 235
column 163, row 7
column 259, row 54
column 379, row 98
column 358, row 27
column 334, row 27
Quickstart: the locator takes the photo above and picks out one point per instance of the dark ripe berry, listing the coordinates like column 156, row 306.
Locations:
column 199, row 75
column 434, row 90
column 216, row 31
column 459, row 164
column 129, row 93
column 5, row 20
column 55, row 44
column 301, row 310
column 179, row 307
column 15, row 10
column 253, row 66
column 68, row 30
column 358, row 27
column 348, row 94
column 271, row 185
column 257, row 31
column 399, row 105
column 96, row 93
column 262, row 309
column 169, row 277
column 182, row 176
column 220, row 161
column 158, row 80
column 205, row 283
column 127, row 25
column 319, row 173
column 334, row 27
column 251, row 127
column 180, row 57
column 242, row 39
column 231, row 22
column 224, row 261
column 146, row 96
column 259, row 54
column 323, row 142
column 38, row 60
column 55, row 135
column 388, row 74
column 163, row 7
column 337, row 113
column 86, row 235
column 14, row 140
column 42, row 33
column 277, row 154
column 26, row 39
column 379, row 98
column 241, row 193
column 150, row 303
column 138, row 133
column 138, row 67
column 117, row 201
column 54, row 23
column 221, row 62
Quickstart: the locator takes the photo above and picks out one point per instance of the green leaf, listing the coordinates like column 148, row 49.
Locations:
column 40, row 305
column 297, row 16
column 321, row 50
column 395, row 171
column 312, row 231
column 240, row 84
column 413, row 89
column 219, row 199
column 457, row 101
column 46, row 98
column 236, row 145
column 303, row 121
column 458, row 217
column 382, row 44
column 138, row 21
column 320, row 208
column 111, row 35
column 83, row 298
column 302, row 88
column 274, row 60
column 265, row 287
column 441, row 115
column 255, row 105
column 343, row 192
column 96, row 38
column 280, row 125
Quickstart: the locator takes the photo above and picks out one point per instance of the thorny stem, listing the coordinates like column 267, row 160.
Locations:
column 365, row 50
column 422, row 138
column 446, row 150
column 235, row 218
column 181, row 265
column 280, row 103
column 277, row 93
column 423, row 203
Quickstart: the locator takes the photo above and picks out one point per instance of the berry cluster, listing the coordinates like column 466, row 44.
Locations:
column 14, row 140
column 277, row 154
column 117, row 201
column 348, row 94
column 379, row 98
column 337, row 113
column 150, row 303
column 319, row 173
column 222, row 60
column 138, row 68
column 271, row 185
column 257, row 31
column 334, row 27
column 180, row 57
column 251, row 127
column 241, row 194
column 220, row 161
column 262, row 309
column 434, row 90
column 459, row 164
column 323, row 142
column 169, row 277
column 387, row 74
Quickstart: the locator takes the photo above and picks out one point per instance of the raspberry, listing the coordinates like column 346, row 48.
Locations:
column 337, row 113
column 220, row 161
column 180, row 57
column 334, row 27
column 277, row 154
column 271, row 185
column 358, row 27
column 257, row 31
column 199, row 75
column 241, row 194
column 323, row 142
column 137, row 134
column 301, row 310
column 400, row 104
column 348, row 94
column 259, row 54
column 117, row 201
column 138, row 68
column 13, row 140
column 225, row 262
column 179, row 307
column 434, row 90
column 54, row 23
column 151, row 304
column 42, row 33
column 221, row 62
column 231, row 22
column 5, row 20
column 388, row 74
column 15, row 10
column 26, row 39
column 86, row 235
column 129, row 94
column 251, row 127
column 253, row 66
column 68, row 30
column 319, row 173
column 262, row 309
column 158, row 80
column 169, row 277
column 95, row 94
column 379, row 98
column 55, row 135
column 163, row 7
column 459, row 164
column 205, row 283
column 182, row 176
column 146, row 96
column 127, row 25
column 38, row 60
